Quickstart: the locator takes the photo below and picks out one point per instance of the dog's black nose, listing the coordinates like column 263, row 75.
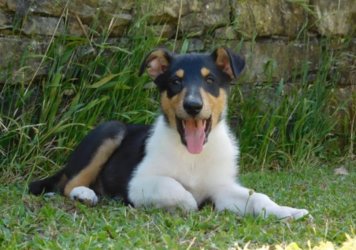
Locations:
column 193, row 105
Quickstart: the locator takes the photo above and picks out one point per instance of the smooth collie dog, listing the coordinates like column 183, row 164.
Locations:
column 188, row 156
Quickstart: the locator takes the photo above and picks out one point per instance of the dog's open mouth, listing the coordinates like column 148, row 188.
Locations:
column 194, row 133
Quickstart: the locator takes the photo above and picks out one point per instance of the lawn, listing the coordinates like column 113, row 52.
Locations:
column 30, row 222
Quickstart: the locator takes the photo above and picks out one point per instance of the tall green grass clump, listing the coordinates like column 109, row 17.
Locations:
column 89, row 80
column 283, row 126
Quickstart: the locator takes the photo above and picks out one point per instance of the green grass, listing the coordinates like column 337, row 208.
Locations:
column 58, row 223
column 285, row 139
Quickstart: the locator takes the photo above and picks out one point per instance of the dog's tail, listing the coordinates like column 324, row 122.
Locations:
column 53, row 183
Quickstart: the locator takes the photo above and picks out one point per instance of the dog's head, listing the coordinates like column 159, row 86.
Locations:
column 193, row 90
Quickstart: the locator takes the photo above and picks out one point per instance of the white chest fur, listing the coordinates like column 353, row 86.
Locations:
column 198, row 174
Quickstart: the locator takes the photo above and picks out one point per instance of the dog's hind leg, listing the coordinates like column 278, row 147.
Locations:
column 88, row 159
column 77, row 188
column 84, row 164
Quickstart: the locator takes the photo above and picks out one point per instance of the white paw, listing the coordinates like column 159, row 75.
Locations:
column 264, row 206
column 291, row 213
column 84, row 194
column 188, row 203
column 160, row 192
column 177, row 198
column 184, row 201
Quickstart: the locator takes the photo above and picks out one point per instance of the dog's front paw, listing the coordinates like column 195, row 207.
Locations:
column 263, row 205
column 188, row 203
column 284, row 212
column 84, row 194
column 183, row 200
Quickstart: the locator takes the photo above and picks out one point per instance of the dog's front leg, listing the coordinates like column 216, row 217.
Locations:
column 161, row 192
column 245, row 201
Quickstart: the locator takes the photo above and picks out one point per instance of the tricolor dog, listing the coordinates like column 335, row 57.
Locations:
column 188, row 156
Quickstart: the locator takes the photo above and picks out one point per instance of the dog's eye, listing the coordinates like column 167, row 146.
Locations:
column 176, row 81
column 210, row 80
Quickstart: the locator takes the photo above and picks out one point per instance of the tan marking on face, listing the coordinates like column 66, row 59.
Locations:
column 88, row 174
column 180, row 73
column 214, row 105
column 173, row 107
column 204, row 72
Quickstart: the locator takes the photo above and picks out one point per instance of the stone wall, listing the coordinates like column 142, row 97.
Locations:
column 281, row 33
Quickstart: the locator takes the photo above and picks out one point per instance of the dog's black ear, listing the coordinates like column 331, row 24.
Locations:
column 229, row 62
column 156, row 62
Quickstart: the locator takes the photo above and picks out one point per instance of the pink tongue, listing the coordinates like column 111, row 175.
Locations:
column 194, row 135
